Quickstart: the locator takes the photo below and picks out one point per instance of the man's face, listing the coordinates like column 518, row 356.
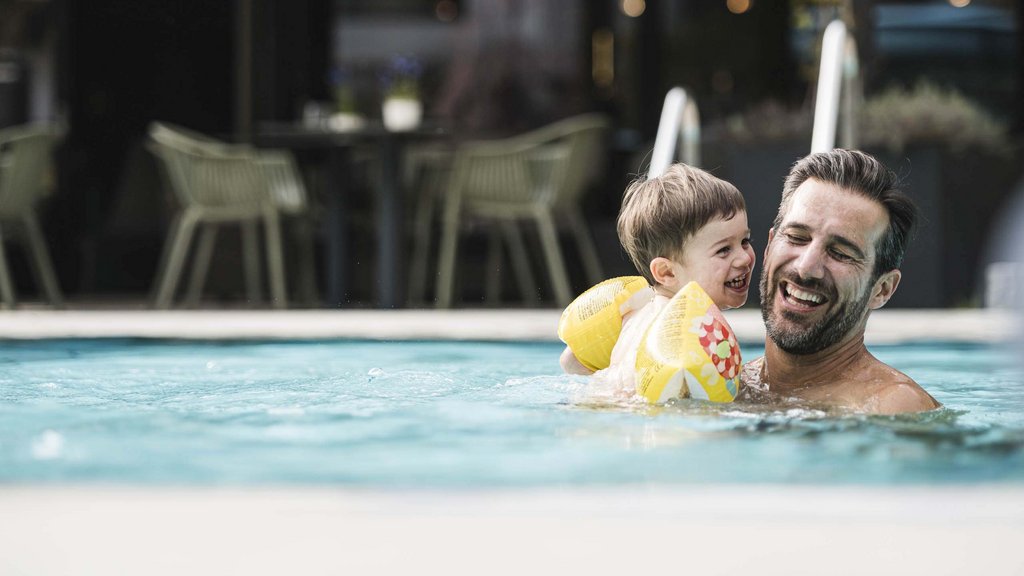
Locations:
column 817, row 284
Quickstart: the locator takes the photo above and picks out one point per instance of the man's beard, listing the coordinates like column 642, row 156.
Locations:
column 800, row 340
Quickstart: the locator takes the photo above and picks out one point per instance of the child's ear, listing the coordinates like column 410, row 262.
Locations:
column 664, row 273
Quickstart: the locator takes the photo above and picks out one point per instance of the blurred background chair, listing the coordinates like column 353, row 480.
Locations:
column 26, row 177
column 539, row 176
column 215, row 183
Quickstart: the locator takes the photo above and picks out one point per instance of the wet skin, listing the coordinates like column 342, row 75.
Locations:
column 818, row 289
column 719, row 257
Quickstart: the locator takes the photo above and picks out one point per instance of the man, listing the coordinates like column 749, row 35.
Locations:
column 833, row 255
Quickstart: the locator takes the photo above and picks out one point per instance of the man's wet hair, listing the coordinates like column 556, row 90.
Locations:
column 862, row 174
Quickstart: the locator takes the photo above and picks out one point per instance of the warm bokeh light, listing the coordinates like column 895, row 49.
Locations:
column 738, row 6
column 959, row 3
column 446, row 10
column 633, row 8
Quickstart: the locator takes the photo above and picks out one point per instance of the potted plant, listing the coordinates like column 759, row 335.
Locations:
column 401, row 107
column 345, row 117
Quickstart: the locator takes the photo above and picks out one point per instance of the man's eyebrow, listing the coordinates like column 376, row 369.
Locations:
column 849, row 245
column 833, row 238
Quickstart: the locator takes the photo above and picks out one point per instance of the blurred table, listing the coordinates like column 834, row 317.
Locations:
column 388, row 198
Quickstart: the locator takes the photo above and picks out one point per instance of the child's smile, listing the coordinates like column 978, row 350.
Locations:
column 720, row 258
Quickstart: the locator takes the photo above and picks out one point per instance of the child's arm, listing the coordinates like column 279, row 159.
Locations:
column 570, row 365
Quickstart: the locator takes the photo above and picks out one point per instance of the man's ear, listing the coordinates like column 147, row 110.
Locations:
column 768, row 246
column 884, row 288
column 664, row 273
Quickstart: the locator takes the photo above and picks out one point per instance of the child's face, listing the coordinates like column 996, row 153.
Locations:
column 720, row 258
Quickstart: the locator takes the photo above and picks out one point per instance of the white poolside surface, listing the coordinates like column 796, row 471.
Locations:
column 61, row 529
column 885, row 326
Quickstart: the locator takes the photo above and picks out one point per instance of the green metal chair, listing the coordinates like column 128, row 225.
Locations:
column 215, row 183
column 26, row 169
column 538, row 176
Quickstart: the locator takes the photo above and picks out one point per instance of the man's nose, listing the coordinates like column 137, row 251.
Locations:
column 810, row 263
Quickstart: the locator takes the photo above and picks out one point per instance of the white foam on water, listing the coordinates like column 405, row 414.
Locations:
column 48, row 446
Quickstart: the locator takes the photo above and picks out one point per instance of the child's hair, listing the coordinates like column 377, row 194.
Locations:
column 659, row 215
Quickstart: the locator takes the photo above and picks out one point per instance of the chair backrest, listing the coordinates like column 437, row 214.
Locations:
column 279, row 171
column 552, row 164
column 26, row 162
column 521, row 170
column 209, row 174
column 283, row 180
column 586, row 136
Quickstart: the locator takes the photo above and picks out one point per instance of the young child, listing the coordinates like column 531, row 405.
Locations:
column 685, row 225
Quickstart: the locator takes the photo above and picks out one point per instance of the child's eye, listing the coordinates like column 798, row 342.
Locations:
column 723, row 250
column 746, row 242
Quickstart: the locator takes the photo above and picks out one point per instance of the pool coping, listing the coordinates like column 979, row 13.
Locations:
column 537, row 325
column 724, row 529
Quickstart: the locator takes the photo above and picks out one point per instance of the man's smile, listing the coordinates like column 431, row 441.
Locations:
column 801, row 299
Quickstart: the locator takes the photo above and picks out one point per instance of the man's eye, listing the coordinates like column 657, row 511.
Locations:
column 840, row 256
column 796, row 239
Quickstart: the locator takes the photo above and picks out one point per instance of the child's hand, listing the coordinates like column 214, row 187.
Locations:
column 572, row 365
column 637, row 301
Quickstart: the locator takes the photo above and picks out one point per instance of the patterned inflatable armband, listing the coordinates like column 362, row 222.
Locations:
column 590, row 325
column 688, row 350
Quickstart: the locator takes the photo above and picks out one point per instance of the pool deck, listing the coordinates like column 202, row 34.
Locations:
column 692, row 529
column 592, row 531
column 885, row 326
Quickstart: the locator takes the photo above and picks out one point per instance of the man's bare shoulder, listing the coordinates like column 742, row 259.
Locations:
column 893, row 392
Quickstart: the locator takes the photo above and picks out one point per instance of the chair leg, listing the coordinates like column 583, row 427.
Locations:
column 446, row 260
column 421, row 248
column 303, row 234
column 42, row 265
column 201, row 264
column 275, row 260
column 553, row 255
column 493, row 283
column 585, row 244
column 7, row 298
column 251, row 261
column 524, row 272
column 175, row 250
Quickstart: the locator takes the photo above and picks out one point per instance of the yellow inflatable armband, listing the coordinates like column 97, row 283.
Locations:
column 688, row 350
column 591, row 324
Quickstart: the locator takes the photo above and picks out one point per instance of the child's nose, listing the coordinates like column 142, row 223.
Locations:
column 743, row 259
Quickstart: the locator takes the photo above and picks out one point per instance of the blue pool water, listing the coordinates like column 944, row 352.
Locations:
column 449, row 414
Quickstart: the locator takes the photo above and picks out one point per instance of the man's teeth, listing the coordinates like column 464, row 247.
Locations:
column 805, row 296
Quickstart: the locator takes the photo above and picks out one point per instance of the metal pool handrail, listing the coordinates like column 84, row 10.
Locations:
column 837, row 74
column 678, row 132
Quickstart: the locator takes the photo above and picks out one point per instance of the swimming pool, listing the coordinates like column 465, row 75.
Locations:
column 464, row 414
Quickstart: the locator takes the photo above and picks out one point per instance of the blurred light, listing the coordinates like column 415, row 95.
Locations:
column 738, row 6
column 603, row 57
column 959, row 3
column 633, row 8
column 446, row 10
